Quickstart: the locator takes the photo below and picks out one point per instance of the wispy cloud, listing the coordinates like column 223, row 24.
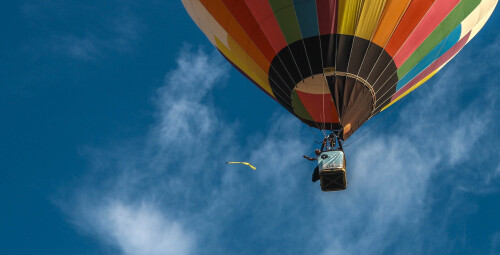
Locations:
column 436, row 140
column 175, row 187
column 85, row 48
column 139, row 229
column 185, row 115
column 121, row 33
column 116, row 31
column 130, row 213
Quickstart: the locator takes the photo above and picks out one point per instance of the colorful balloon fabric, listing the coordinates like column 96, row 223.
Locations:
column 336, row 63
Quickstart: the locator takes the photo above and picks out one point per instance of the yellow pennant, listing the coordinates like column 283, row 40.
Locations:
column 244, row 163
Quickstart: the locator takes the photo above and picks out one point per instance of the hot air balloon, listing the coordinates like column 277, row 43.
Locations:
column 334, row 64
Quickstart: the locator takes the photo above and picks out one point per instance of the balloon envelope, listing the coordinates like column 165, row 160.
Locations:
column 336, row 63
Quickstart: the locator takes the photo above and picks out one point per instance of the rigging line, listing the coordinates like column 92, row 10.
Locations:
column 268, row 76
column 296, row 65
column 337, row 38
column 359, row 11
column 402, row 45
column 335, row 22
column 319, row 39
column 307, row 57
column 270, row 63
column 283, row 100
column 276, row 92
column 436, row 57
column 305, row 51
column 288, row 45
column 387, row 42
column 358, row 14
column 307, row 54
column 395, row 84
column 321, row 53
column 257, row 28
column 283, row 80
column 445, row 39
column 374, row 112
column 279, row 76
column 370, row 42
column 323, row 104
column 303, row 43
column 294, row 61
column 284, row 67
column 366, row 52
column 383, row 104
column 316, row 123
column 356, row 30
column 374, row 125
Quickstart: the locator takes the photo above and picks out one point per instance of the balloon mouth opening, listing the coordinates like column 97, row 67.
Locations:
column 312, row 101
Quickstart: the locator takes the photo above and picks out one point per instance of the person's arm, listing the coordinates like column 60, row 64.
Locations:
column 309, row 158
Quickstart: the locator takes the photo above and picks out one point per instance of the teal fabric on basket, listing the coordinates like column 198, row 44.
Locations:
column 331, row 160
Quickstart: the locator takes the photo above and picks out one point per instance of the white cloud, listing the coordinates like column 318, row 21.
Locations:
column 176, row 179
column 185, row 115
column 108, row 31
column 121, row 210
column 85, row 48
column 387, row 207
column 120, row 36
column 142, row 229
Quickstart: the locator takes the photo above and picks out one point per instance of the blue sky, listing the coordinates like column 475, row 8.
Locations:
column 118, row 117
